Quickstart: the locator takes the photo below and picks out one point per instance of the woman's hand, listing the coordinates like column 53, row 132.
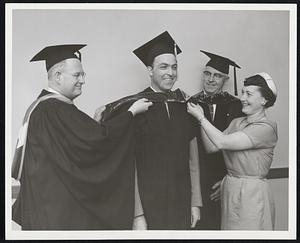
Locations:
column 195, row 110
column 140, row 106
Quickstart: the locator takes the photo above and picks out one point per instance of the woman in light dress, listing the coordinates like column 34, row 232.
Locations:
column 247, row 145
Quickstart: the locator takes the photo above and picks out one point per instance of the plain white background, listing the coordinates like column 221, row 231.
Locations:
column 256, row 40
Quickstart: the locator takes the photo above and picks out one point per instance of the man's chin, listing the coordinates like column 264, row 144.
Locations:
column 245, row 110
column 169, row 87
column 78, row 93
column 211, row 92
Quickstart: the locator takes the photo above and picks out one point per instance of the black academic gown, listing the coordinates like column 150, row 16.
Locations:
column 212, row 166
column 162, row 160
column 77, row 175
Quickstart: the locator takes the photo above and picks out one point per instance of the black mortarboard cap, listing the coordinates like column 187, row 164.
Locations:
column 161, row 44
column 222, row 64
column 58, row 53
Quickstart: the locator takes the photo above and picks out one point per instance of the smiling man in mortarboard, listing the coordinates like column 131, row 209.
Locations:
column 74, row 173
column 166, row 153
column 220, row 109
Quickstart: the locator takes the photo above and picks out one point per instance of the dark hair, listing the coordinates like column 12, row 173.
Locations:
column 264, row 89
column 269, row 97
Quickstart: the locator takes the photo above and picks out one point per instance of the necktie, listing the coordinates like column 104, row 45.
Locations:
column 211, row 111
column 167, row 108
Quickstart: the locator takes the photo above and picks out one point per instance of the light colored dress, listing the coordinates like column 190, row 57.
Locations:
column 247, row 203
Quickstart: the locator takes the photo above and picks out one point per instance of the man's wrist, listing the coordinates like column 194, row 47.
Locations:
column 130, row 110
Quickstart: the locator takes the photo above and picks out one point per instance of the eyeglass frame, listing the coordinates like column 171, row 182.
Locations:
column 76, row 75
column 205, row 72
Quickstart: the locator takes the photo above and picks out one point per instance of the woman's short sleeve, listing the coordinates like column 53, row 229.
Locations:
column 233, row 126
column 261, row 134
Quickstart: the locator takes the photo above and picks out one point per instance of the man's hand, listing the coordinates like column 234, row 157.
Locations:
column 98, row 113
column 140, row 106
column 139, row 223
column 216, row 195
column 195, row 216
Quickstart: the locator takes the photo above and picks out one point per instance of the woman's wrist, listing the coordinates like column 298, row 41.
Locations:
column 200, row 119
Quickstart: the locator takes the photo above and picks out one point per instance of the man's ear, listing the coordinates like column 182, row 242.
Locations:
column 150, row 70
column 57, row 77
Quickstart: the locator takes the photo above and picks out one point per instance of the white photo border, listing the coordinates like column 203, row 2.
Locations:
column 41, row 235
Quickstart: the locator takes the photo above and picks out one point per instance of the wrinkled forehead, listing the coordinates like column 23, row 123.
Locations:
column 167, row 58
column 213, row 70
column 73, row 65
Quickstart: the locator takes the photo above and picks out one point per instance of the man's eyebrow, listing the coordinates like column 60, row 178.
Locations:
column 248, row 91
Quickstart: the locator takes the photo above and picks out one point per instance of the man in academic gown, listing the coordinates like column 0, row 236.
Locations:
column 220, row 108
column 75, row 174
column 166, row 148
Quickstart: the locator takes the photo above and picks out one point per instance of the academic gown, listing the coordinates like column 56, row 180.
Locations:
column 162, row 161
column 77, row 174
column 212, row 166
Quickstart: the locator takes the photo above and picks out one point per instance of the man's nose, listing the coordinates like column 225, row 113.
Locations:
column 170, row 71
column 82, row 79
column 242, row 97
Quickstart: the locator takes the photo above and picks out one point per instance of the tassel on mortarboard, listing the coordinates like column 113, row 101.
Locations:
column 175, row 49
column 235, row 83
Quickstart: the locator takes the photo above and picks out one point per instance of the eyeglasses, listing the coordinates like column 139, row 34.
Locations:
column 77, row 75
column 215, row 75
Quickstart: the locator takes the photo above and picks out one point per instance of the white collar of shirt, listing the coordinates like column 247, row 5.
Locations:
column 214, row 106
column 53, row 91
column 153, row 89
column 56, row 92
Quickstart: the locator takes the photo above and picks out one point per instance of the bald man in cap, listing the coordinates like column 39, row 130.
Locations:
column 75, row 174
column 166, row 148
column 220, row 109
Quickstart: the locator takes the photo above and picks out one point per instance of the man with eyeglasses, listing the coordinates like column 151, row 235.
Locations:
column 220, row 108
column 75, row 174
